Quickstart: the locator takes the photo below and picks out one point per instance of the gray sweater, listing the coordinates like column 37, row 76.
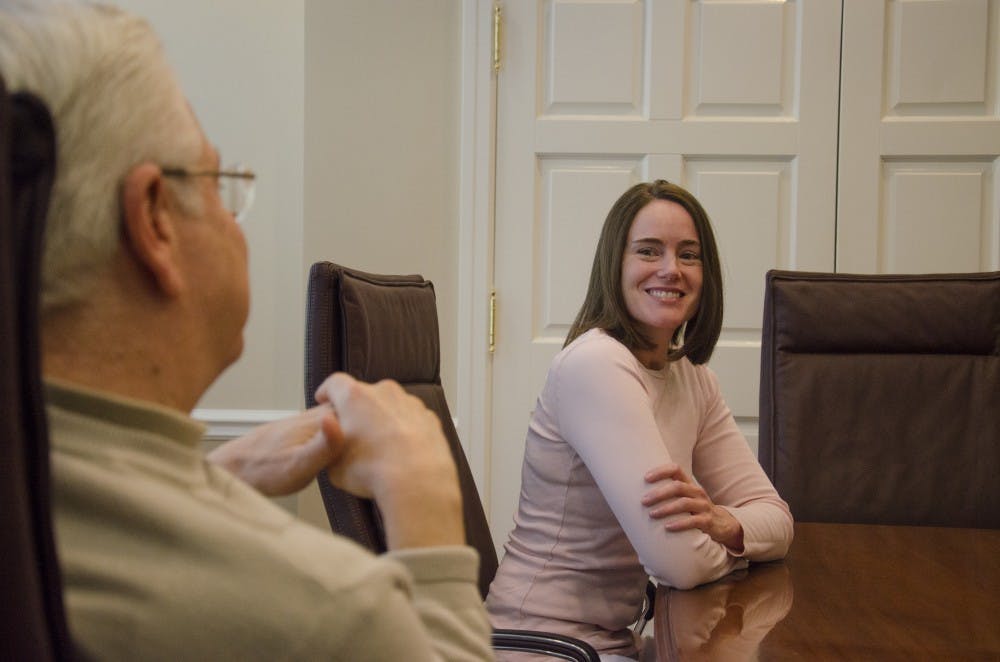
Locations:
column 167, row 557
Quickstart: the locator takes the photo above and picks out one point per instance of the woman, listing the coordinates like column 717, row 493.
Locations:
column 633, row 465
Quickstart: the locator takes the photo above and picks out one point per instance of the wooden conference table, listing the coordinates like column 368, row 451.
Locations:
column 847, row 592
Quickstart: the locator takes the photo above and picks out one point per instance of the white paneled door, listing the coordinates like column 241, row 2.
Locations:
column 920, row 128
column 737, row 100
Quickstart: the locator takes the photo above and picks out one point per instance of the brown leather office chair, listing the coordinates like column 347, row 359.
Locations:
column 32, row 615
column 880, row 397
column 385, row 327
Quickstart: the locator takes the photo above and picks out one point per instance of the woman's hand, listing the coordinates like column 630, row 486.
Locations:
column 676, row 496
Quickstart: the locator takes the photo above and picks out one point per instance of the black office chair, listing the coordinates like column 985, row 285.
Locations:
column 880, row 397
column 32, row 615
column 385, row 327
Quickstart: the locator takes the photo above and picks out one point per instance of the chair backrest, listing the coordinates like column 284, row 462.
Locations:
column 880, row 397
column 384, row 327
column 32, row 614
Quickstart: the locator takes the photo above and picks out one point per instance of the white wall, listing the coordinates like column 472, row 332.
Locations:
column 349, row 113
column 242, row 67
column 381, row 155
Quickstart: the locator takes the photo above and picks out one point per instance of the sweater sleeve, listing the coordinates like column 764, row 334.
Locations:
column 604, row 413
column 446, row 597
column 726, row 468
column 433, row 612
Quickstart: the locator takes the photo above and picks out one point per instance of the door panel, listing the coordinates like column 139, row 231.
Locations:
column 921, row 132
column 735, row 100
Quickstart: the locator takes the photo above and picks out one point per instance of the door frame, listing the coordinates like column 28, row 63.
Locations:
column 476, row 183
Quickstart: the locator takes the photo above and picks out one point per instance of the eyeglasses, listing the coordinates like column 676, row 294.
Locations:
column 236, row 186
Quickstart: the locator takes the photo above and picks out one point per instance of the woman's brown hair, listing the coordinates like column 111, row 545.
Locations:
column 604, row 306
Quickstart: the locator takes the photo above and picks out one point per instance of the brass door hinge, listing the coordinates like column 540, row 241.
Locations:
column 493, row 321
column 497, row 35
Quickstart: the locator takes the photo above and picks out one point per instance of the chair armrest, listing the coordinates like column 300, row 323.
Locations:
column 556, row 645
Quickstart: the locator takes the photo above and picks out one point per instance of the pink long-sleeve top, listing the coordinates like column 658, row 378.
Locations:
column 583, row 545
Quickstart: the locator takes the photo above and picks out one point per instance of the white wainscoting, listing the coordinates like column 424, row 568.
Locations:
column 225, row 424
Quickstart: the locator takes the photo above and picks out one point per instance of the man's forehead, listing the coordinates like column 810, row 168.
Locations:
column 209, row 153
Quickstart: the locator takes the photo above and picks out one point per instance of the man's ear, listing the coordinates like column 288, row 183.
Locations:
column 148, row 227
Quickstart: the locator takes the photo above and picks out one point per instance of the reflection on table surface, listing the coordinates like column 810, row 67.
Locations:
column 861, row 592
column 725, row 620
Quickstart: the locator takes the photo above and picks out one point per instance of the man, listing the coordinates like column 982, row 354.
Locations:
column 145, row 293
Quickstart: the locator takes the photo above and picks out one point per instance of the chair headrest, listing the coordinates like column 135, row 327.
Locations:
column 32, row 145
column 372, row 313
column 913, row 314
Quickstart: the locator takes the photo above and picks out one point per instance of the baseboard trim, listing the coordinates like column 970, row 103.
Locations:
column 226, row 424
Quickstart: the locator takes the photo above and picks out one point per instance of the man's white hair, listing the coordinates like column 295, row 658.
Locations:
column 116, row 103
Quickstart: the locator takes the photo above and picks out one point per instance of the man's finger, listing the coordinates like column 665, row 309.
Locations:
column 332, row 389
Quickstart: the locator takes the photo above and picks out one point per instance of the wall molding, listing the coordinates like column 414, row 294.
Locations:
column 224, row 424
column 475, row 239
